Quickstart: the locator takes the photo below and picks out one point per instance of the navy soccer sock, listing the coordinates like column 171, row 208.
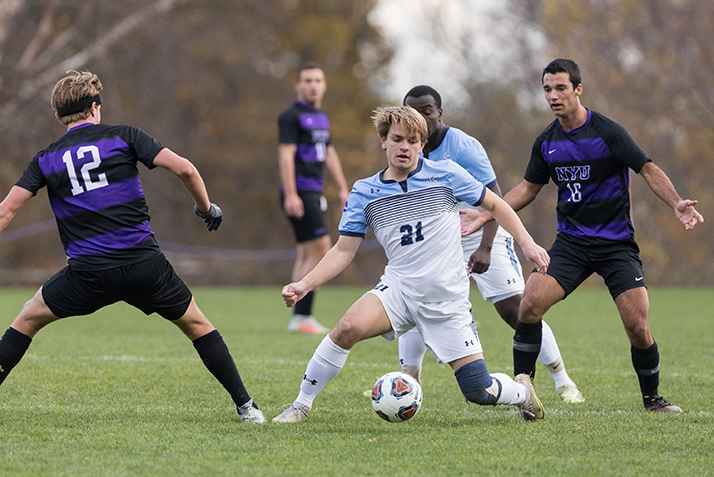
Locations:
column 12, row 348
column 526, row 347
column 217, row 358
column 304, row 306
column 476, row 383
column 646, row 363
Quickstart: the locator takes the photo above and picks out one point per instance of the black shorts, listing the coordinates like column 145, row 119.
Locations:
column 617, row 263
column 151, row 286
column 312, row 224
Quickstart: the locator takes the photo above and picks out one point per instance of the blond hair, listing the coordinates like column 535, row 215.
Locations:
column 406, row 116
column 73, row 88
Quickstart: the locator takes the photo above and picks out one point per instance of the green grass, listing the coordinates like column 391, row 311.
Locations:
column 121, row 394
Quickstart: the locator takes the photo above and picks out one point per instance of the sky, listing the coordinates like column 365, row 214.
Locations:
column 442, row 42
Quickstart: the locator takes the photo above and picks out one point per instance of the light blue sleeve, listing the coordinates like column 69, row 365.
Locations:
column 465, row 187
column 353, row 222
column 471, row 155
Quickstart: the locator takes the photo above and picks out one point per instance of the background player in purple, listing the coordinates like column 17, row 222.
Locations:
column 95, row 192
column 304, row 150
column 588, row 157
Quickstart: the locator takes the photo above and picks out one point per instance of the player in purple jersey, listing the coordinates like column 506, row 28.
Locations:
column 305, row 148
column 588, row 157
column 95, row 192
column 493, row 264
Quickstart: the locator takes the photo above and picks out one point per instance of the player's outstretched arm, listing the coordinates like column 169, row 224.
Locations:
column 192, row 180
column 517, row 198
column 335, row 260
column 664, row 189
column 14, row 200
column 509, row 220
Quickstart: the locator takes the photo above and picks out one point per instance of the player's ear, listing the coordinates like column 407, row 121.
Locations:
column 384, row 142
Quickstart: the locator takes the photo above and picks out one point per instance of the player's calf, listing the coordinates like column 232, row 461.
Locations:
column 477, row 385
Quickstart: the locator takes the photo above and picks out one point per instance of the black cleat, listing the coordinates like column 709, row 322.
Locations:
column 657, row 403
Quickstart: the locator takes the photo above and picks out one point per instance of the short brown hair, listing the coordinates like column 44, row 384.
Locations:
column 72, row 89
column 309, row 65
column 406, row 116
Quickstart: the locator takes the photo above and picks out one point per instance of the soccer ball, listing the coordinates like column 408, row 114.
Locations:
column 396, row 397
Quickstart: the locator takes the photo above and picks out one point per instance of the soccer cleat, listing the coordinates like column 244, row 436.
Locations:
column 570, row 393
column 306, row 324
column 657, row 403
column 295, row 413
column 531, row 409
column 249, row 412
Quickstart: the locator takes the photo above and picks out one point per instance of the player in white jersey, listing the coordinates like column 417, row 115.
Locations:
column 489, row 252
column 411, row 207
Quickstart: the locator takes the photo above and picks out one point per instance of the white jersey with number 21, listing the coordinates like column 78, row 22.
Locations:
column 418, row 224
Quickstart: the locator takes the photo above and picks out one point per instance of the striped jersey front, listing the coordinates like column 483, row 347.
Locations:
column 96, row 195
column 417, row 223
column 590, row 165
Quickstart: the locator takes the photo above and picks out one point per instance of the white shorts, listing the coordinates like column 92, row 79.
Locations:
column 447, row 328
column 504, row 277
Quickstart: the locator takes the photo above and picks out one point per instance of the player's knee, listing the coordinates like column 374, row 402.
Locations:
column 346, row 333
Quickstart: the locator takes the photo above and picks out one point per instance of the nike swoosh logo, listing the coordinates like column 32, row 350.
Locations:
column 552, row 151
column 637, row 279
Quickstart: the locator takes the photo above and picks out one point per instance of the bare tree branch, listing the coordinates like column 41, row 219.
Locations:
column 99, row 48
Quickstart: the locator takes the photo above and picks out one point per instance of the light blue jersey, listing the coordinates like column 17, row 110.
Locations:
column 417, row 223
column 467, row 152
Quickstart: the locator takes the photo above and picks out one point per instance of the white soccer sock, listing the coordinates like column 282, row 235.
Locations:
column 326, row 362
column 511, row 391
column 411, row 348
column 550, row 357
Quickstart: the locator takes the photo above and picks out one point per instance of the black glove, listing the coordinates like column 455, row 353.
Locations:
column 213, row 217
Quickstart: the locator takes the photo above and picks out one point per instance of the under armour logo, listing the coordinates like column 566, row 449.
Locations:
column 311, row 381
column 469, row 342
column 433, row 179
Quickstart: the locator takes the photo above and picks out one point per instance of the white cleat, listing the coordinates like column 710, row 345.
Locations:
column 307, row 325
column 249, row 412
column 295, row 413
column 531, row 409
column 570, row 393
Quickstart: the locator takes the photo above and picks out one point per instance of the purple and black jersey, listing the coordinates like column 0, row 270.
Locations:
column 96, row 195
column 309, row 129
column 590, row 165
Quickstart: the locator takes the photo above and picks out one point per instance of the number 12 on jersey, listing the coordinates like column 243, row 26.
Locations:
column 89, row 184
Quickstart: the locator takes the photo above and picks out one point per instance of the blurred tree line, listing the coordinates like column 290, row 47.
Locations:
column 647, row 65
column 209, row 78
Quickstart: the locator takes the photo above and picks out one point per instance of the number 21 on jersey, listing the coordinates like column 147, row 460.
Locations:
column 411, row 234
column 89, row 184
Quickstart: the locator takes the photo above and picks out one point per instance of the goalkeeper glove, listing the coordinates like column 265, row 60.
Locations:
column 213, row 217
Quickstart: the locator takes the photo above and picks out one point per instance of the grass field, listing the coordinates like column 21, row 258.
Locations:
column 122, row 394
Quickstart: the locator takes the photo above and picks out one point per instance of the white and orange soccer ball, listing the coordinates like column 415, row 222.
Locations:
column 396, row 397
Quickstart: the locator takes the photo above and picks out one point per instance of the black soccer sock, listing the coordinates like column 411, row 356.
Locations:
column 215, row 355
column 12, row 348
column 526, row 347
column 646, row 363
column 304, row 306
